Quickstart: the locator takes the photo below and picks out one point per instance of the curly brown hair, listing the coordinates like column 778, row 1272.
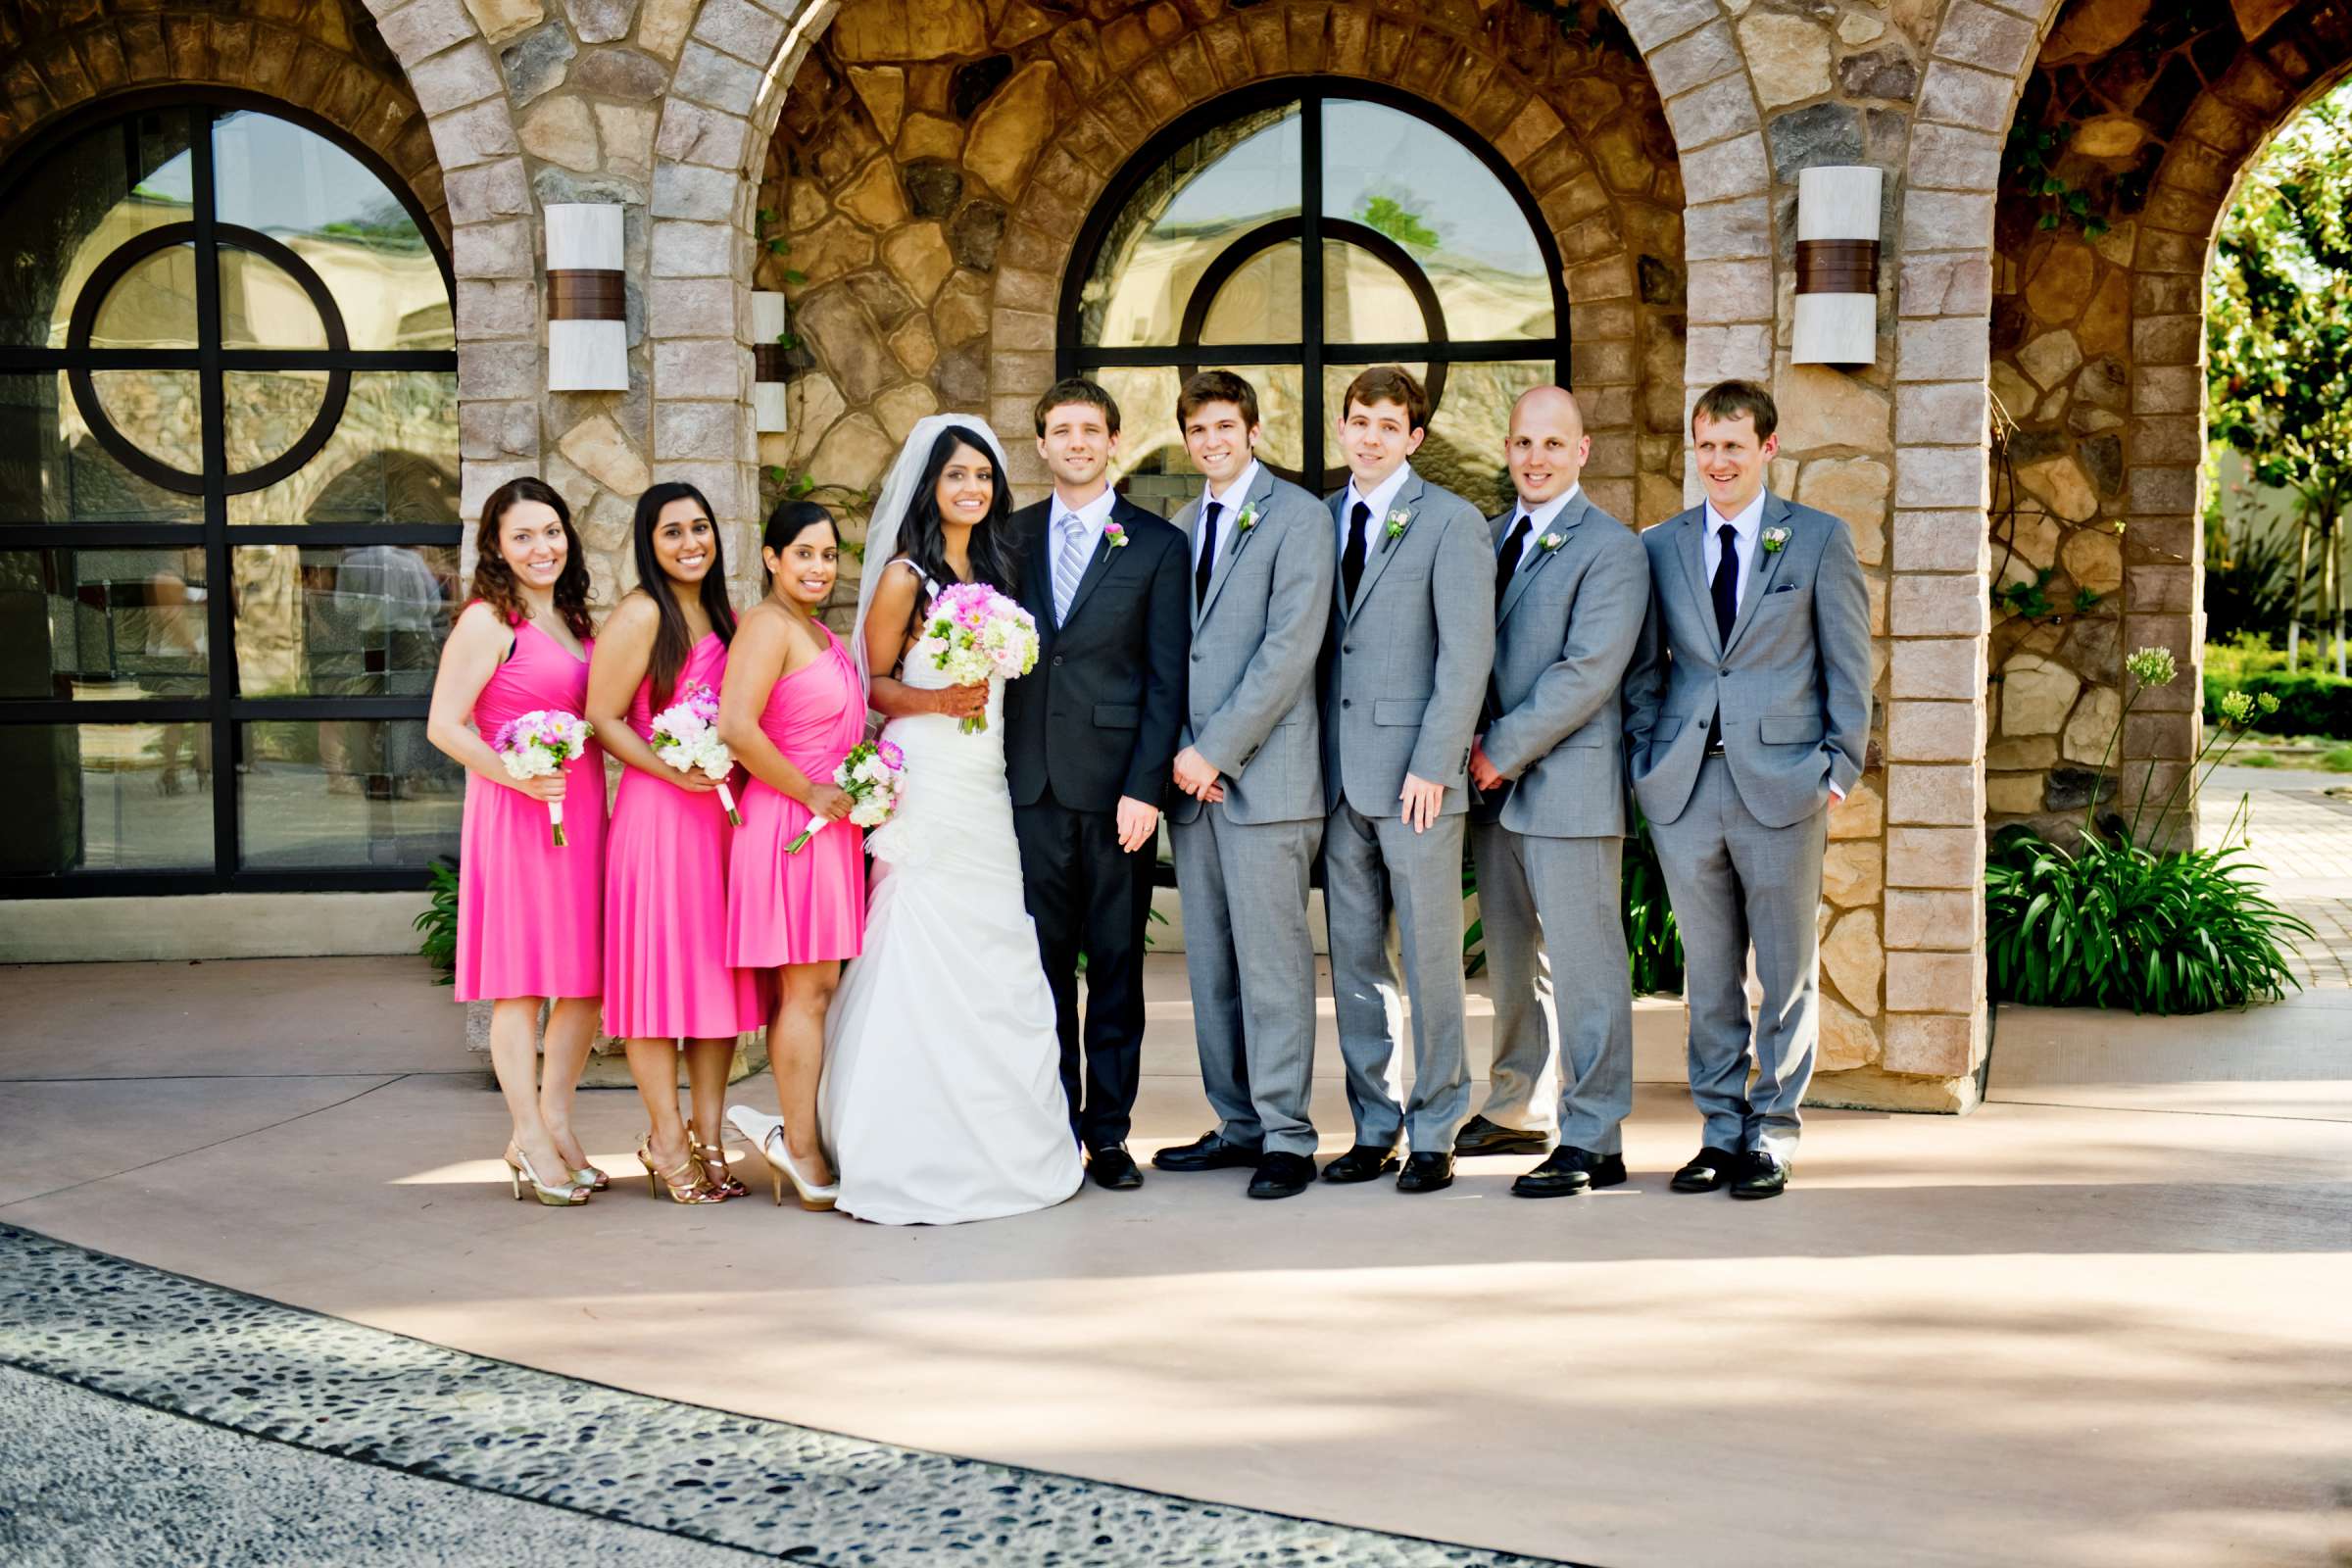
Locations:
column 494, row 581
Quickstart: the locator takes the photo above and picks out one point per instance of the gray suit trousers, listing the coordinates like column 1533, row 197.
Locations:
column 1244, row 888
column 1736, row 882
column 1563, row 891
column 1369, row 867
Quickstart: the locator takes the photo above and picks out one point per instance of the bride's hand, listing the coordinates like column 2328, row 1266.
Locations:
column 826, row 801
column 962, row 702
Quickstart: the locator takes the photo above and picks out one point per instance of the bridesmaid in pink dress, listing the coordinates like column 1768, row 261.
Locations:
column 529, row 923
column 791, row 710
column 667, row 976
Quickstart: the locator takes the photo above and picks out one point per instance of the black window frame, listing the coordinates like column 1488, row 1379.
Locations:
column 221, row 710
column 1311, row 225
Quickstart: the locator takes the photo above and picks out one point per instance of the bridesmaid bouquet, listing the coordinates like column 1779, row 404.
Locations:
column 981, row 633
column 686, row 737
column 873, row 776
column 539, row 743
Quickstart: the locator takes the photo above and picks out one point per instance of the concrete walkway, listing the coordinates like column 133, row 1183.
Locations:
column 2093, row 1323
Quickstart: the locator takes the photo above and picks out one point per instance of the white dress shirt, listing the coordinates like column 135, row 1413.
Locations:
column 1380, row 501
column 1539, row 519
column 1747, row 528
column 1229, row 504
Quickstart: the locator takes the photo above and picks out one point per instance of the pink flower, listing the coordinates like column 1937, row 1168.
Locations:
column 891, row 755
column 1115, row 534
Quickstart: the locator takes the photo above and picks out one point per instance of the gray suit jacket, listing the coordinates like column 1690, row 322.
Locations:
column 1250, row 703
column 1407, row 664
column 1792, row 681
column 1564, row 631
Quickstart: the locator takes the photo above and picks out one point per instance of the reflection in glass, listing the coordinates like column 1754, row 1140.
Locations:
column 393, row 458
column 1153, row 467
column 1260, row 301
column 107, row 797
column 329, row 210
column 263, row 307
column 158, row 412
column 366, row 621
column 93, row 624
column 1217, row 187
column 87, row 199
column 52, row 470
column 1411, row 182
column 1365, row 300
column 266, row 411
column 345, row 792
column 153, row 305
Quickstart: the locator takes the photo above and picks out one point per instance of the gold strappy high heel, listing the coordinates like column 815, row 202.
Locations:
column 519, row 1171
column 695, row 1189
column 588, row 1176
column 716, row 1167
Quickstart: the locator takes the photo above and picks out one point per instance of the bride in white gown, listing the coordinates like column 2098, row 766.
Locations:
column 941, row 1095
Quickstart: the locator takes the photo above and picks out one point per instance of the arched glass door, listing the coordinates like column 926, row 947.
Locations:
column 228, row 508
column 1297, row 233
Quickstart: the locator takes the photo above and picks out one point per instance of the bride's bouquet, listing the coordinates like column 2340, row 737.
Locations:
column 981, row 633
column 539, row 743
column 686, row 737
column 873, row 776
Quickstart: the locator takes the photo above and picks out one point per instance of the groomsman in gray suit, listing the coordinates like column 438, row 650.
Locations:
column 1547, row 826
column 1748, row 714
column 1248, row 809
column 1405, row 665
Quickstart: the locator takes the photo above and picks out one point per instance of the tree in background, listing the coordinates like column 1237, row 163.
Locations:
column 2279, row 342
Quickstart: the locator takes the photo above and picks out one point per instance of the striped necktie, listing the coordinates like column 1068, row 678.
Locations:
column 1069, row 564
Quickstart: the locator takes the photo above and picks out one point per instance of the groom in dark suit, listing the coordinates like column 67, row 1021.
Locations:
column 1089, row 736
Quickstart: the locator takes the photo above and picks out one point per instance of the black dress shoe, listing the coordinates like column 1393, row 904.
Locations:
column 1480, row 1136
column 1711, row 1167
column 1569, row 1171
column 1208, row 1151
column 1361, row 1163
column 1113, row 1167
column 1282, row 1176
column 1761, row 1175
column 1426, row 1173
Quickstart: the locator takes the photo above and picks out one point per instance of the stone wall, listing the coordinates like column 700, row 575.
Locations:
column 2097, row 338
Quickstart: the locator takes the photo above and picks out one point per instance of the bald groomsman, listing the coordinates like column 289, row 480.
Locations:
column 1747, row 712
column 1571, row 585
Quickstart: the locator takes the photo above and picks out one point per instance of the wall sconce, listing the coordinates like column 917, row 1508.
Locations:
column 587, row 299
column 767, row 362
column 1837, row 265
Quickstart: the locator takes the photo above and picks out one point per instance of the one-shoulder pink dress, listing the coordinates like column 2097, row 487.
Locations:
column 666, row 975
column 809, row 906
column 530, row 920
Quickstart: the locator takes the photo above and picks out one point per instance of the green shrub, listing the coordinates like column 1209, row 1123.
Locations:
column 2338, row 761
column 439, row 923
column 2310, row 702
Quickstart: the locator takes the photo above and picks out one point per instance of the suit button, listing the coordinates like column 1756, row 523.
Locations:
column 1347, row 702
column 1057, row 660
column 1719, row 672
column 1197, row 657
column 1347, row 648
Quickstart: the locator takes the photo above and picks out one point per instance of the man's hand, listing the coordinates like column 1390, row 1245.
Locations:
column 1137, row 823
column 1483, row 773
column 1421, row 802
column 1193, row 774
column 1837, row 797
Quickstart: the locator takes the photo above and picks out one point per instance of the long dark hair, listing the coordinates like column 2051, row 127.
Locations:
column 922, row 538
column 671, row 649
column 784, row 525
column 494, row 580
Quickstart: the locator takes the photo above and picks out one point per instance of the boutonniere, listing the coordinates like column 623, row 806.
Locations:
column 1246, row 519
column 1773, row 538
column 1398, row 520
column 1115, row 534
column 1552, row 542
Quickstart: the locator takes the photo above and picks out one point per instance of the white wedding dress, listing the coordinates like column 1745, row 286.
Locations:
column 941, row 1097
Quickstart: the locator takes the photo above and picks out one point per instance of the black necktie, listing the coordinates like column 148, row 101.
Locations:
column 1513, row 548
column 1203, row 568
column 1726, row 589
column 1351, row 560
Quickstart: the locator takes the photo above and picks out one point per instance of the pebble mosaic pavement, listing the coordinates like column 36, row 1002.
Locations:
column 258, row 1368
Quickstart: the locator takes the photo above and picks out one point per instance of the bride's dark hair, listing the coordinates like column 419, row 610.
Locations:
column 923, row 539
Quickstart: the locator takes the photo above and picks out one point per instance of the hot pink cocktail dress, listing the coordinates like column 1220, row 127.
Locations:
column 666, row 974
column 530, row 920
column 808, row 907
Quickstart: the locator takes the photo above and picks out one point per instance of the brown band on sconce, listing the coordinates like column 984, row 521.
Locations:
column 769, row 363
column 1837, row 266
column 586, row 294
